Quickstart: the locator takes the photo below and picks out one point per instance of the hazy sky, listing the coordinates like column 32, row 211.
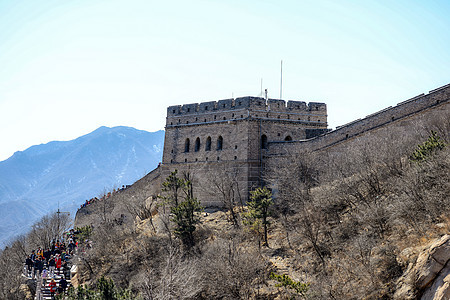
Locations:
column 68, row 67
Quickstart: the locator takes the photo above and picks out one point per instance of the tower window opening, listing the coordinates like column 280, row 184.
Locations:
column 206, row 107
column 186, row 145
column 219, row 143
column 224, row 118
column 173, row 111
column 288, row 138
column 263, row 141
column 208, row 144
column 188, row 109
column 197, row 144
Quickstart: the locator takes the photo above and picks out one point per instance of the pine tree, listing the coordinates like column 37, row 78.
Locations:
column 184, row 207
column 426, row 149
column 258, row 211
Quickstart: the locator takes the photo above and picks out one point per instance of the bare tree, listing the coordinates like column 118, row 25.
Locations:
column 224, row 185
column 50, row 227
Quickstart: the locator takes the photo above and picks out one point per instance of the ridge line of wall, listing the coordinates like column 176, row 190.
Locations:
column 402, row 110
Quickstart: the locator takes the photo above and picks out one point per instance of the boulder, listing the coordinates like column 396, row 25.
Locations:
column 429, row 276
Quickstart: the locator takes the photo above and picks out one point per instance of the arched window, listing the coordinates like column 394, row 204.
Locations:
column 288, row 138
column 263, row 141
column 208, row 144
column 219, row 143
column 186, row 145
column 197, row 144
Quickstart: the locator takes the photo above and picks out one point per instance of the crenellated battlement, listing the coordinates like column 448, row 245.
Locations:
column 251, row 103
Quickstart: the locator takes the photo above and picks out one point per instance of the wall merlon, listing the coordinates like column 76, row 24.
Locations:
column 173, row 110
column 447, row 86
column 207, row 106
column 297, row 105
column 348, row 124
column 189, row 108
column 411, row 99
column 276, row 105
column 314, row 106
column 379, row 112
column 225, row 104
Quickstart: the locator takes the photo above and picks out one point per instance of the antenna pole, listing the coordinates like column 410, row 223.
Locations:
column 261, row 88
column 281, row 79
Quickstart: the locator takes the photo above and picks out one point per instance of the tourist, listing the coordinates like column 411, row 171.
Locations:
column 62, row 285
column 52, row 286
column 51, row 266
column 29, row 263
column 58, row 263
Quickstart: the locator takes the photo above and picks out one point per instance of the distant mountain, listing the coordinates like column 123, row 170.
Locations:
column 32, row 182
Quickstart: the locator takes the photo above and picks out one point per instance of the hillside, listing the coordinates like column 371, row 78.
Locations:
column 352, row 222
column 34, row 181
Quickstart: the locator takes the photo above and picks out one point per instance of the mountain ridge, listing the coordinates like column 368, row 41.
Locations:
column 65, row 173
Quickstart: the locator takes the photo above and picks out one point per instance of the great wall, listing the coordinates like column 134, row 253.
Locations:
column 242, row 136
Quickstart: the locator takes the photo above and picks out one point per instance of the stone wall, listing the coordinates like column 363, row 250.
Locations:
column 435, row 99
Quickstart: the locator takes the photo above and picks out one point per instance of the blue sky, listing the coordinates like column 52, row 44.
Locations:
column 68, row 67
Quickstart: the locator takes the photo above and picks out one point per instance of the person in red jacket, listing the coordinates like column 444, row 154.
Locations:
column 58, row 262
column 52, row 286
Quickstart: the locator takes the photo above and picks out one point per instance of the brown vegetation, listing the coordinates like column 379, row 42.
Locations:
column 339, row 223
column 341, row 219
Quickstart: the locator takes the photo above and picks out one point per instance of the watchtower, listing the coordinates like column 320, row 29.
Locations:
column 233, row 134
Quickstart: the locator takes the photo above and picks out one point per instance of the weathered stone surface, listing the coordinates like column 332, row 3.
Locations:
column 440, row 289
column 429, row 276
column 432, row 261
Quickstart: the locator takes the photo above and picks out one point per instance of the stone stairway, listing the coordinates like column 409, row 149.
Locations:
column 43, row 285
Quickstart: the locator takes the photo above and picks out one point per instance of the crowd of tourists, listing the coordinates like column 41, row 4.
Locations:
column 95, row 199
column 51, row 264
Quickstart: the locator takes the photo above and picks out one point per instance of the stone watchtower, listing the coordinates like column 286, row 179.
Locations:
column 232, row 135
